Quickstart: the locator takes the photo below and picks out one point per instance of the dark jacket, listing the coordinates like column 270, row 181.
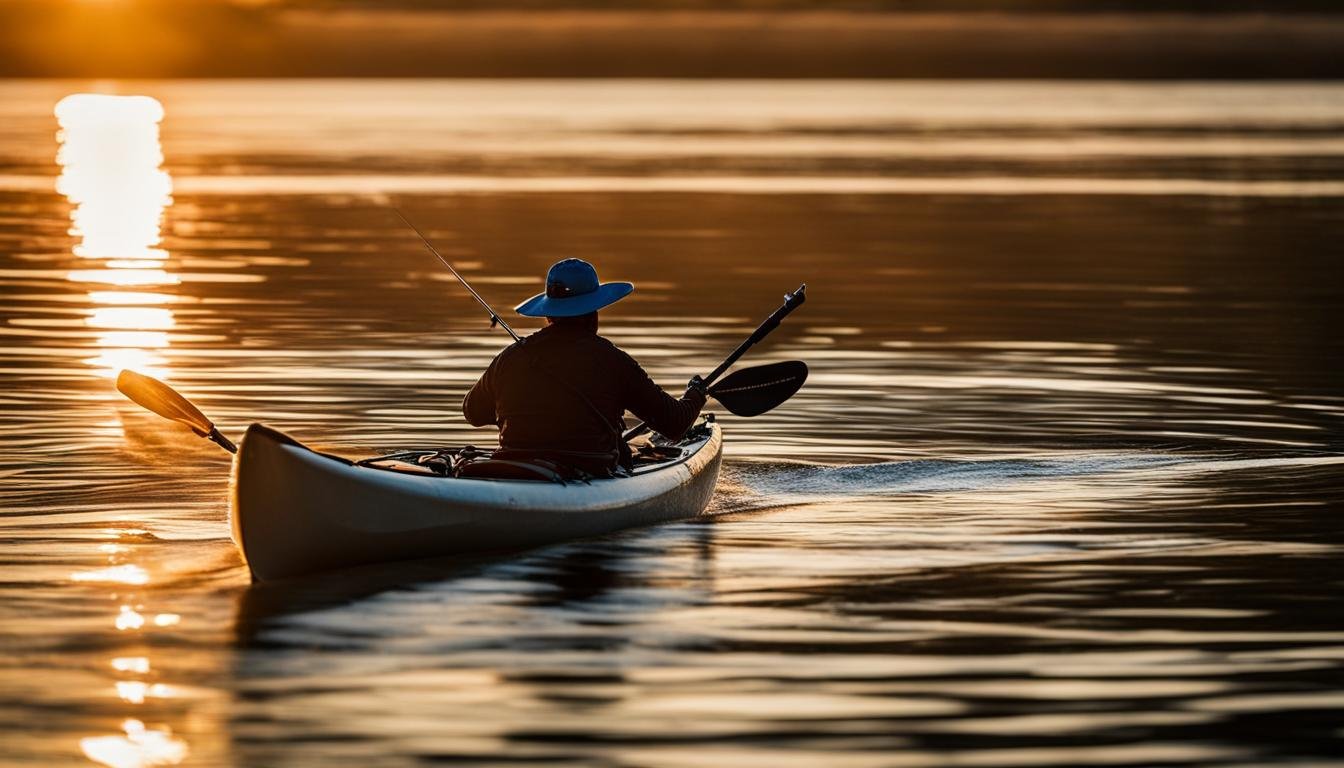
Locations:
column 531, row 390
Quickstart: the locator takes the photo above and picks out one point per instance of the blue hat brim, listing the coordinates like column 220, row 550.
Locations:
column 542, row 305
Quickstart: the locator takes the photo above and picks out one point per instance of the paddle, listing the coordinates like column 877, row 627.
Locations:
column 753, row 391
column 162, row 399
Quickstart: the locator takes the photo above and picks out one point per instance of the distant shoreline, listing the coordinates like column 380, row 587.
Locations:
column 689, row 44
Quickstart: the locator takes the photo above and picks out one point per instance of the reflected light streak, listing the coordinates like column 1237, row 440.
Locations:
column 130, row 349
column 110, row 159
column 150, row 339
column 116, row 574
column 110, row 156
column 128, row 618
column 140, row 747
column 134, row 318
column 119, row 532
column 142, row 360
column 134, row 263
column 135, row 692
column 123, row 276
column 130, row 297
column 137, row 664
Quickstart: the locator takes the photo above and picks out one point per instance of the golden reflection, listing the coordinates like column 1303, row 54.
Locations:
column 122, row 276
column 115, row 574
column 132, row 263
column 136, row 691
column 110, row 158
column 130, row 297
column 135, row 359
column 150, row 339
column 139, row 747
column 140, row 318
column 129, row 618
column 137, row 664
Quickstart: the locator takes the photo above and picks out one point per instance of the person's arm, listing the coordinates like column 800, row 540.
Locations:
column 479, row 405
column 664, row 414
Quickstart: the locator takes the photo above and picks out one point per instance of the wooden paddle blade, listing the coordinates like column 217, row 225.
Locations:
column 753, row 391
column 154, row 395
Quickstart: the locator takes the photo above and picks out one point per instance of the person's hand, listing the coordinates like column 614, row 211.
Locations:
column 697, row 385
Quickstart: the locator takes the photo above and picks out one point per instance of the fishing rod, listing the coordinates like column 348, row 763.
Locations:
column 494, row 317
column 748, row 392
column 154, row 395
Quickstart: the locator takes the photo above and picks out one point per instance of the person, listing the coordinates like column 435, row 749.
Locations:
column 566, row 389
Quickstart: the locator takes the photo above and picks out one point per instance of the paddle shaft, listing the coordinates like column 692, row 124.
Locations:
column 494, row 317
column 217, row 437
column 792, row 301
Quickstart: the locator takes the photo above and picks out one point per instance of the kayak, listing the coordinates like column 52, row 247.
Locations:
column 296, row 511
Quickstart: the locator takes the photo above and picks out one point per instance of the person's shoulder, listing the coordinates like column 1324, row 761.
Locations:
column 509, row 351
column 609, row 348
column 602, row 342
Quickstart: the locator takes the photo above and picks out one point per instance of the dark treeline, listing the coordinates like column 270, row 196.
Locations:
column 672, row 38
column 884, row 6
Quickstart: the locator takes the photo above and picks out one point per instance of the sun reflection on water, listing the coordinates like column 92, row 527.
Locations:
column 110, row 154
column 140, row 746
column 136, row 664
column 110, row 158
column 129, row 618
column 115, row 574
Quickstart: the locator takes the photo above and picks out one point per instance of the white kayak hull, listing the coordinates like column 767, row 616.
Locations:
column 295, row 511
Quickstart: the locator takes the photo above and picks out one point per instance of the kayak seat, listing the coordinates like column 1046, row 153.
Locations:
column 570, row 464
column 499, row 469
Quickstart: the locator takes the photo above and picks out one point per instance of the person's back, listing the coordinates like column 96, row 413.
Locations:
column 566, row 388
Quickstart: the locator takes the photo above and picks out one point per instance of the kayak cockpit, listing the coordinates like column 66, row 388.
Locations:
column 470, row 462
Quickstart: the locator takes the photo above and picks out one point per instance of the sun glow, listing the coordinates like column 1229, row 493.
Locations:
column 110, row 154
column 110, row 159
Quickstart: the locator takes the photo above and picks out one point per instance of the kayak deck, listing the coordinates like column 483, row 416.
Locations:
column 296, row 511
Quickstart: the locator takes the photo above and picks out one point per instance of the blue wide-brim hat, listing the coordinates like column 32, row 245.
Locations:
column 572, row 289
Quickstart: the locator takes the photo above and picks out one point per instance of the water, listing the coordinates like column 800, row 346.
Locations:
column 1064, row 486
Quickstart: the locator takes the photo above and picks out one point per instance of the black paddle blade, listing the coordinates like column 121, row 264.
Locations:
column 152, row 394
column 753, row 391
